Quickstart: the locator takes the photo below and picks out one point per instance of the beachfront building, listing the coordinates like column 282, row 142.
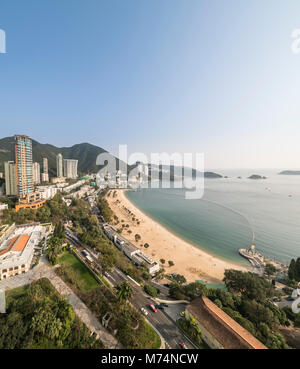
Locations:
column 10, row 178
column 17, row 246
column 131, row 251
column 70, row 168
column 23, row 154
column 72, row 187
column 83, row 191
column 219, row 330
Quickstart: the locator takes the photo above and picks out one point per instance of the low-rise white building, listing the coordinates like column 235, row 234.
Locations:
column 48, row 192
column 17, row 248
column 75, row 185
column 131, row 251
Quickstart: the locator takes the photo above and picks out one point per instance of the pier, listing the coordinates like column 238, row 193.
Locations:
column 256, row 260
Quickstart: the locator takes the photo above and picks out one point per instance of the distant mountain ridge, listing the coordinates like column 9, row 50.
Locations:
column 85, row 153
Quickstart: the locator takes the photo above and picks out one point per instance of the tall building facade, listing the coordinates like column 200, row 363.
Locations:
column 45, row 175
column 23, row 153
column 70, row 168
column 10, row 178
column 59, row 165
column 36, row 173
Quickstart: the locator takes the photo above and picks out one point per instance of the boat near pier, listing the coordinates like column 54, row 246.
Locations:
column 255, row 259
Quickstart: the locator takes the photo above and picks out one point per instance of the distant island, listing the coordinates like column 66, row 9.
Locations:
column 256, row 176
column 212, row 175
column 290, row 173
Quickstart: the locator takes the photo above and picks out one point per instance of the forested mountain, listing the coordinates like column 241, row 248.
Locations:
column 85, row 153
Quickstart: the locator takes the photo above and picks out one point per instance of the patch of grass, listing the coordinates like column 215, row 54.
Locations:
column 150, row 336
column 15, row 293
column 84, row 278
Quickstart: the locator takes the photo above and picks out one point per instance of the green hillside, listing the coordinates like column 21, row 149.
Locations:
column 85, row 153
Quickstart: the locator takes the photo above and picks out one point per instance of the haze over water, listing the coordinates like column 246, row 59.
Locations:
column 222, row 222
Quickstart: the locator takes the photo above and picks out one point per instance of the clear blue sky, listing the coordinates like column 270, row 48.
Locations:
column 210, row 76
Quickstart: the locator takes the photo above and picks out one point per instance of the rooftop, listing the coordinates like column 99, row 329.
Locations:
column 227, row 331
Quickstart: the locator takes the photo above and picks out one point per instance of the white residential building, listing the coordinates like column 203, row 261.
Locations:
column 36, row 173
column 10, row 178
column 3, row 206
column 48, row 192
column 70, row 168
column 59, row 165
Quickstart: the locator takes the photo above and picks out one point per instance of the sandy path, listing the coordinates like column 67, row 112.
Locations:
column 188, row 259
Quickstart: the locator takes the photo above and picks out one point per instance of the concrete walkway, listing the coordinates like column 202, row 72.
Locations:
column 43, row 270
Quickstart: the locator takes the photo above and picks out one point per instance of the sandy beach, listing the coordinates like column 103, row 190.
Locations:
column 189, row 260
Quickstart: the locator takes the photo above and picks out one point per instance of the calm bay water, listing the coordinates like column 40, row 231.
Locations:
column 231, row 211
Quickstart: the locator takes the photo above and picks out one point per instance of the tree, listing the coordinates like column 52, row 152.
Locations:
column 59, row 231
column 152, row 291
column 248, row 284
column 171, row 263
column 179, row 278
column 124, row 292
column 297, row 267
column 292, row 269
column 270, row 269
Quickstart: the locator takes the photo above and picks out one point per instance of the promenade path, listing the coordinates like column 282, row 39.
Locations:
column 43, row 270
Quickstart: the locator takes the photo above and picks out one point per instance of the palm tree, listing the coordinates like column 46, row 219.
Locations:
column 124, row 291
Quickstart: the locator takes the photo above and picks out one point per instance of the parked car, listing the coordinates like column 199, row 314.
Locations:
column 182, row 314
column 153, row 308
column 159, row 307
column 144, row 311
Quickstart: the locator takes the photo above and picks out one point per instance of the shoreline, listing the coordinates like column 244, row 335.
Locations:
column 189, row 260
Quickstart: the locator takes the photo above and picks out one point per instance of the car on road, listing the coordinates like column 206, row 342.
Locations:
column 144, row 311
column 182, row 314
column 159, row 307
column 164, row 304
column 153, row 308
column 182, row 345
